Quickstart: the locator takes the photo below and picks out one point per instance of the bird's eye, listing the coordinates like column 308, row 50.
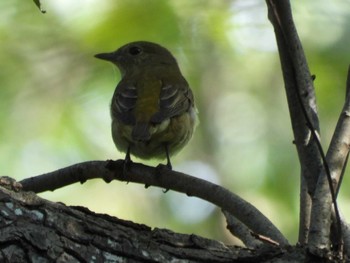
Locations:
column 135, row 50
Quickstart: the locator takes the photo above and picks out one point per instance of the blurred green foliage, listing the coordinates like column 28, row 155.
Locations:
column 54, row 100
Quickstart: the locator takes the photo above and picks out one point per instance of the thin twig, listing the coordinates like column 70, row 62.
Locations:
column 264, row 239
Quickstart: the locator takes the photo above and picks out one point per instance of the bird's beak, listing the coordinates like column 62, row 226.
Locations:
column 106, row 56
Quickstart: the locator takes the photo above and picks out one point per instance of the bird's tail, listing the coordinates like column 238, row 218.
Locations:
column 141, row 132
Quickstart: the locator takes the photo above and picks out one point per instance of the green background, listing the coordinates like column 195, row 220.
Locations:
column 54, row 100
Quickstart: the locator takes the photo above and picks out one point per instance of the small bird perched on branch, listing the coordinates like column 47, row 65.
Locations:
column 152, row 109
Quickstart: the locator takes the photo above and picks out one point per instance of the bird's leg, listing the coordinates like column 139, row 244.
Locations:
column 162, row 167
column 127, row 161
column 168, row 164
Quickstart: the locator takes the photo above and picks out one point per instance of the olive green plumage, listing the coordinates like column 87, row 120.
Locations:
column 152, row 109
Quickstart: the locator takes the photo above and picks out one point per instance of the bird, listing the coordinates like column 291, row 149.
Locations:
column 152, row 109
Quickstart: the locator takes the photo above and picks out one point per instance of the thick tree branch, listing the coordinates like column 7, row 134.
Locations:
column 163, row 178
column 36, row 230
column 299, row 89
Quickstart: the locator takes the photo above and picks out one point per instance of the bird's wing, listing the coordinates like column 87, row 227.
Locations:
column 123, row 102
column 174, row 100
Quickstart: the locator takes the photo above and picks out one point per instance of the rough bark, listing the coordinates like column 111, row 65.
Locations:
column 36, row 230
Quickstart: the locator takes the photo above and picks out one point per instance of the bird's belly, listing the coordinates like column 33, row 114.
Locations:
column 173, row 133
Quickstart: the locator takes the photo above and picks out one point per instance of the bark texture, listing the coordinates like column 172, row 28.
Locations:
column 36, row 230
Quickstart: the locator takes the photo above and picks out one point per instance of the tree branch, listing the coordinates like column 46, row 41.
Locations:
column 299, row 89
column 241, row 231
column 297, row 76
column 305, row 213
column 337, row 156
column 36, row 230
column 338, row 150
column 163, row 178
